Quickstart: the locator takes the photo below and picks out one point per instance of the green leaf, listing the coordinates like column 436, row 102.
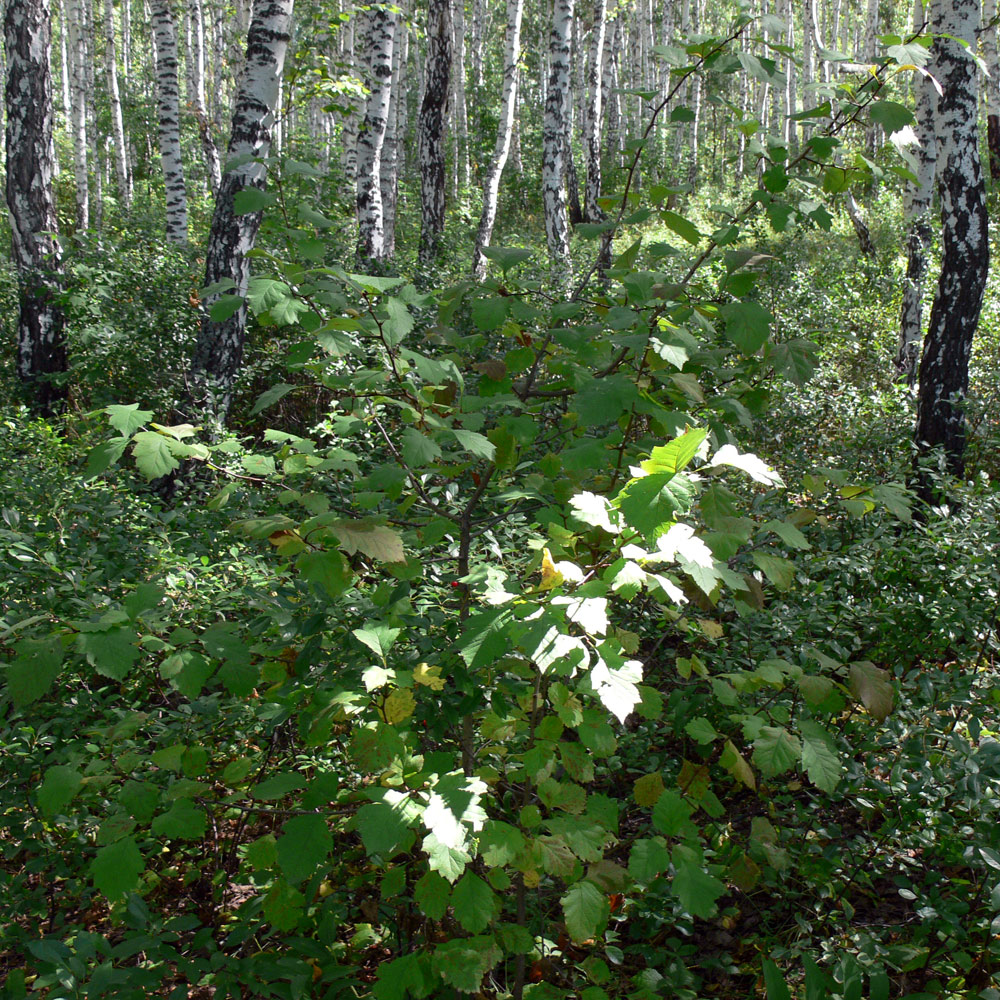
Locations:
column 182, row 821
column 486, row 636
column 127, row 419
column 671, row 814
column 871, row 686
column 779, row 571
column 58, row 787
column 819, row 756
column 489, row 314
column 684, row 228
column 432, row 894
column 748, row 325
column 507, row 257
column 111, row 653
column 477, row 444
column 373, row 540
column 224, row 307
column 474, row 903
column 676, row 455
column 384, row 829
column 701, row 731
column 500, row 843
column 418, row 449
column 776, row 750
column 774, row 982
column 116, row 868
column 647, row 859
column 651, row 503
column 449, row 861
column 696, row 889
column 326, row 568
column 788, row 533
column 153, row 455
column 188, row 672
column 33, row 670
column 890, row 115
column 145, row 597
column 270, row 397
column 586, row 910
column 278, row 786
column 105, row 455
column 283, row 905
column 252, row 199
column 304, row 846
column 462, row 962
column 378, row 638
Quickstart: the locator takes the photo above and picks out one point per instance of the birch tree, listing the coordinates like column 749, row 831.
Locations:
column 430, row 126
column 917, row 208
column 41, row 350
column 553, row 144
column 123, row 173
column 992, row 84
column 944, row 367
column 74, row 66
column 168, row 104
column 221, row 338
column 508, row 102
column 592, row 119
column 371, row 135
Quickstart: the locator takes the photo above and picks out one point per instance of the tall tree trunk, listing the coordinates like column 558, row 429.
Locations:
column 389, row 174
column 349, row 128
column 553, row 143
column 219, row 350
column 461, row 111
column 992, row 84
column 41, row 349
column 371, row 135
column 76, row 55
column 430, row 126
column 123, row 175
column 592, row 120
column 168, row 101
column 944, row 367
column 508, row 101
column 917, row 207
column 213, row 170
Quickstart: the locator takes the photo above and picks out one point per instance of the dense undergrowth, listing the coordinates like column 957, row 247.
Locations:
column 423, row 688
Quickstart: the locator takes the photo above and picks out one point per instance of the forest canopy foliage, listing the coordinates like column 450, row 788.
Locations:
column 399, row 605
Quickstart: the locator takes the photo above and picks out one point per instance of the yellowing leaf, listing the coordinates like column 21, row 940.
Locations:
column 551, row 577
column 648, row 789
column 399, row 706
column 429, row 676
column 712, row 629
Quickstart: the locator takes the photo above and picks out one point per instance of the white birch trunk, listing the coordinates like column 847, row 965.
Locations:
column 168, row 103
column 371, row 136
column 76, row 54
column 592, row 212
column 553, row 144
column 430, row 126
column 41, row 350
column 389, row 176
column 219, row 350
column 508, row 102
column 917, row 215
column 944, row 366
column 123, row 174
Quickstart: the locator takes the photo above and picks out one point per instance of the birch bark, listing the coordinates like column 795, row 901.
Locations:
column 219, row 349
column 41, row 350
column 123, row 175
column 917, row 208
column 508, row 101
column 592, row 120
column 168, row 103
column 944, row 367
column 430, row 127
column 76, row 60
column 371, row 135
column 553, row 143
